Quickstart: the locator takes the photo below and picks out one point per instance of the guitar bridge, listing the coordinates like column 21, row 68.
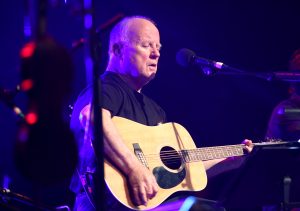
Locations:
column 139, row 154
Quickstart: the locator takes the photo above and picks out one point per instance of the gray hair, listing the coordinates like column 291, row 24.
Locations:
column 119, row 33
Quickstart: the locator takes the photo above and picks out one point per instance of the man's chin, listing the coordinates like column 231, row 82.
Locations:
column 152, row 76
column 149, row 78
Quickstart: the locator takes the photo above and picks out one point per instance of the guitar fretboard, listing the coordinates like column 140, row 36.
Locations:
column 210, row 153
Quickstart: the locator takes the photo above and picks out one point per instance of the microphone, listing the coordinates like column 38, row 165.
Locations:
column 187, row 58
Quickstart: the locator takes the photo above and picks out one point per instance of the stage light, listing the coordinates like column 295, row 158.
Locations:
column 28, row 50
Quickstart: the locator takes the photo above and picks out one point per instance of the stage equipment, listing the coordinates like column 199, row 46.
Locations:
column 269, row 176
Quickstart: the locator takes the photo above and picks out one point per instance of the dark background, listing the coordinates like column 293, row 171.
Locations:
column 256, row 36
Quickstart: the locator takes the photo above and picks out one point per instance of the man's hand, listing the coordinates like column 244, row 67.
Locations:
column 248, row 145
column 142, row 184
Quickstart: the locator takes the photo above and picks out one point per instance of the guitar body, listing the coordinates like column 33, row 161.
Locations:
column 149, row 143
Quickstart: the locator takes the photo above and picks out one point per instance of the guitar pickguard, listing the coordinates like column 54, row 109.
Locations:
column 166, row 179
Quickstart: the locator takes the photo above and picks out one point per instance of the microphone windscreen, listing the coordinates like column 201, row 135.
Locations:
column 185, row 57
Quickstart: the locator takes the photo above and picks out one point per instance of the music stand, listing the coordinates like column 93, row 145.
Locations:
column 269, row 176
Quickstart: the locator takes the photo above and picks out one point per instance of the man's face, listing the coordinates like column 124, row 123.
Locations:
column 140, row 53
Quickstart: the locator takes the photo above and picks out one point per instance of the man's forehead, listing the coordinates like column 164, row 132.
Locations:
column 143, row 32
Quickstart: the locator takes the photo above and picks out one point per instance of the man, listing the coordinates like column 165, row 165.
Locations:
column 284, row 122
column 134, row 52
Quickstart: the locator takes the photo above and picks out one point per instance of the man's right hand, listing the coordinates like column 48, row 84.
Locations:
column 142, row 184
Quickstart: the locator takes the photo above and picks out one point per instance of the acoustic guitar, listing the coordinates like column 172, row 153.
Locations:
column 170, row 153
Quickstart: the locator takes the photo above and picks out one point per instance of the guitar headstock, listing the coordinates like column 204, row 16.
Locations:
column 272, row 140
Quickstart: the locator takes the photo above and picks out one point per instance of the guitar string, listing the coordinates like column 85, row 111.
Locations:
column 225, row 151
column 208, row 150
column 194, row 154
column 172, row 156
column 191, row 155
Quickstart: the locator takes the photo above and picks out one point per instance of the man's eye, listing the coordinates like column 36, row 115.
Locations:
column 146, row 45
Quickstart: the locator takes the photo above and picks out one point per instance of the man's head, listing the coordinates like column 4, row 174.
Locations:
column 134, row 50
column 294, row 65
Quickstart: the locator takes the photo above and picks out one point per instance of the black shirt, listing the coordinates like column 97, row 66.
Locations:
column 121, row 100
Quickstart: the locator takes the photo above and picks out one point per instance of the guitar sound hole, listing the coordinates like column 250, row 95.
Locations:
column 170, row 157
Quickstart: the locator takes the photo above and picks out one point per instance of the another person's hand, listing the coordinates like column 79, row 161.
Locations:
column 142, row 184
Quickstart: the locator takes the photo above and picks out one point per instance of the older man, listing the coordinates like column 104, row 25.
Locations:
column 134, row 52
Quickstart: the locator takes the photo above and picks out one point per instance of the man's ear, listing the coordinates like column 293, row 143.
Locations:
column 117, row 49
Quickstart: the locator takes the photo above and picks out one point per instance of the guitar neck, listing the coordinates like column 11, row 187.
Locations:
column 210, row 153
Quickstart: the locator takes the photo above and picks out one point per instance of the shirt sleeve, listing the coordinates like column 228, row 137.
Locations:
column 112, row 98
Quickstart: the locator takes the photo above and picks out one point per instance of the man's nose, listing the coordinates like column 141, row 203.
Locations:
column 155, row 53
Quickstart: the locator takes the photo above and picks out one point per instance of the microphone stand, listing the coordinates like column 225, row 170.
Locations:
column 218, row 68
column 103, row 27
column 92, row 61
column 92, row 65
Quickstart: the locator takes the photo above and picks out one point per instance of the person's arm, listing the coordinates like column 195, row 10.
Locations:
column 218, row 166
column 141, row 181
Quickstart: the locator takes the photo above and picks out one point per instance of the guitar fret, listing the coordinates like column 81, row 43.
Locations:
column 192, row 155
column 189, row 157
column 197, row 155
column 218, row 153
column 210, row 153
column 185, row 154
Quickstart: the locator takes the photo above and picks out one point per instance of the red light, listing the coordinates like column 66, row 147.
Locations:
column 31, row 118
column 26, row 84
column 28, row 50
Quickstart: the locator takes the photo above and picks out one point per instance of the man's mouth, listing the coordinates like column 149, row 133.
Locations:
column 153, row 65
